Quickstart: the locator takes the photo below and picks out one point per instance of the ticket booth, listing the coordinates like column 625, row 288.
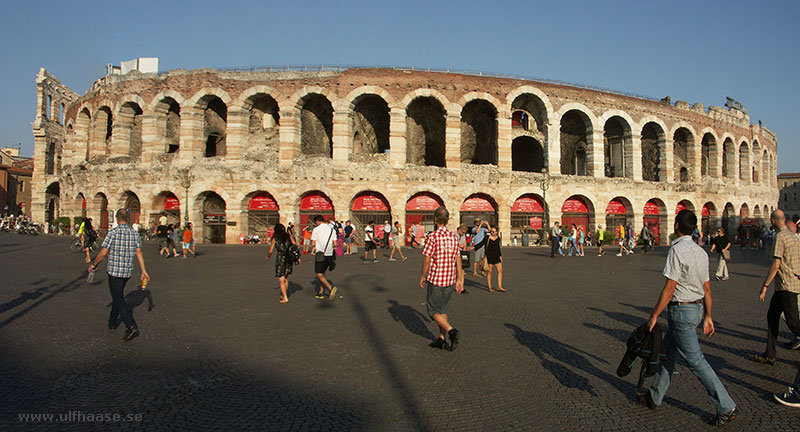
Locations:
column 370, row 206
column 315, row 203
column 262, row 215
column 478, row 206
column 527, row 215
column 419, row 210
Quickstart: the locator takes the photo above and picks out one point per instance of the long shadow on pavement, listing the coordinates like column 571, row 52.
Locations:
column 58, row 289
column 412, row 319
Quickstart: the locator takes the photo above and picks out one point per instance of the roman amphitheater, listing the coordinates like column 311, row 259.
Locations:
column 239, row 150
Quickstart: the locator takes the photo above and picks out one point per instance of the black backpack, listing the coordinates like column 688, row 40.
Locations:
column 293, row 253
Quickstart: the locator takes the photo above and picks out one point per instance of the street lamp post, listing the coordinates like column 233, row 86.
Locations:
column 186, row 180
column 545, row 185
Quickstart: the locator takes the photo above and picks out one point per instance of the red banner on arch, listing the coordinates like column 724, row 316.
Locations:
column 316, row 201
column 263, row 202
column 370, row 201
column 424, row 202
column 172, row 203
column 477, row 204
column 527, row 204
column 616, row 207
column 573, row 205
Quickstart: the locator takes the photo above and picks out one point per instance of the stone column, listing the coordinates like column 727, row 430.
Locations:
column 553, row 150
column 289, row 135
column 696, row 157
column 452, row 141
column 152, row 137
column 342, row 137
column 669, row 161
column 236, row 135
column 504, row 221
column 191, row 146
column 635, row 156
column 594, row 155
column 504, row 137
column 232, row 232
column 397, row 139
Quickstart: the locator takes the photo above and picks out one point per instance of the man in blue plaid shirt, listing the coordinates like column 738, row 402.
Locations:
column 121, row 244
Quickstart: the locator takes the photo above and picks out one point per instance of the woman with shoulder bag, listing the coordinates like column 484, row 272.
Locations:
column 280, row 244
column 722, row 246
column 494, row 259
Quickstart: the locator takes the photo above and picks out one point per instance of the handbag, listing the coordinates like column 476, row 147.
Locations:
column 726, row 255
column 320, row 255
column 485, row 264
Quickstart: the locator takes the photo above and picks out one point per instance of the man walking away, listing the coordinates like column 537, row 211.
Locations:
column 784, row 271
column 686, row 293
column 370, row 244
column 441, row 273
column 555, row 240
column 322, row 240
column 600, row 237
column 721, row 245
column 387, row 233
column 120, row 245
column 348, row 237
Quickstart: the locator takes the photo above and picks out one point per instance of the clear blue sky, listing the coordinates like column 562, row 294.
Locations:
column 698, row 51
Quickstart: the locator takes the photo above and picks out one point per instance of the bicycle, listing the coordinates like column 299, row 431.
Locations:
column 76, row 245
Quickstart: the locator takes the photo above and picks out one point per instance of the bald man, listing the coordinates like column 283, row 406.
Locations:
column 785, row 271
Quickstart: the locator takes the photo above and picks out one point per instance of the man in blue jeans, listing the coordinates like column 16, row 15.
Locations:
column 686, row 293
column 120, row 245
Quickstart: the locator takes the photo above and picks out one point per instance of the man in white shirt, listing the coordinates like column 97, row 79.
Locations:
column 323, row 240
column 370, row 244
column 387, row 233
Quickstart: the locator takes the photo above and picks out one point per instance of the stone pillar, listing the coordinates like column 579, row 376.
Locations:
column 397, row 139
column 594, row 155
column 695, row 158
column 452, row 140
column 342, row 137
column 191, row 146
column 504, row 137
column 553, row 150
column 152, row 137
column 236, row 135
column 232, row 232
column 635, row 157
column 669, row 161
column 289, row 135
column 504, row 221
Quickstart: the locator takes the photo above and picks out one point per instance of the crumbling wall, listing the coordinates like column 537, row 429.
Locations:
column 680, row 152
column 574, row 139
column 316, row 126
column 103, row 130
column 425, row 132
column 370, row 126
column 263, row 130
column 651, row 153
column 172, row 133
column 479, row 133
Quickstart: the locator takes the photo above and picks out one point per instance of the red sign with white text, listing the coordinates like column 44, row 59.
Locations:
column 477, row 204
column 262, row 202
column 536, row 222
column 424, row 201
column 316, row 202
column 706, row 212
column 680, row 207
column 616, row 207
column 527, row 204
column 172, row 203
column 370, row 201
column 573, row 205
column 651, row 208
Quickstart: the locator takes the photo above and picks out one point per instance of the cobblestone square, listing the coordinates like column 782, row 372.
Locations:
column 217, row 351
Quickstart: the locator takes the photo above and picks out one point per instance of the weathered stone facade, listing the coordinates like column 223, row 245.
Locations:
column 395, row 133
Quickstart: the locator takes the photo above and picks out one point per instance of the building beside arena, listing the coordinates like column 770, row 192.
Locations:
column 239, row 150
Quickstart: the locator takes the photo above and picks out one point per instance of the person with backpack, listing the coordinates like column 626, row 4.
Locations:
column 287, row 255
column 89, row 235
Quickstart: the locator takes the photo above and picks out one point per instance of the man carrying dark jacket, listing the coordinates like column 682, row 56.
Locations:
column 686, row 293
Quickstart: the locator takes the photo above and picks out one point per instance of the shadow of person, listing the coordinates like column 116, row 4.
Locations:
column 136, row 297
column 414, row 321
column 293, row 288
column 23, row 297
column 565, row 362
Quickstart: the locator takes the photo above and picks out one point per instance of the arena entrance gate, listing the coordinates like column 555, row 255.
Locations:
column 214, row 219
column 616, row 215
column 652, row 220
column 312, row 204
column 527, row 215
column 575, row 211
column 478, row 206
column 419, row 210
column 370, row 206
column 262, row 215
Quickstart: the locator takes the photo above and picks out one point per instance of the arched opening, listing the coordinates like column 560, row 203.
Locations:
column 655, row 219
column 168, row 119
column 214, row 218
column 527, row 215
column 52, row 199
column 757, row 212
column 262, row 214
column 425, row 132
column 744, row 211
column 215, row 126
column 100, row 204
column 370, row 125
column 728, row 158
column 419, row 210
column 80, row 202
column 50, row 158
column 708, row 159
column 82, row 133
column 527, row 154
column 132, row 204
column 578, row 210
column 708, row 219
column 370, row 206
column 167, row 204
column 314, row 203
column 530, row 114
column 576, row 136
column 682, row 155
column 744, row 162
column 619, row 213
column 653, row 141
column 617, row 148
column 729, row 220
column 263, row 131
column 765, row 168
column 103, row 130
column 61, row 114
column 481, row 206
column 130, row 126
column 684, row 205
column 479, row 133
column 316, row 126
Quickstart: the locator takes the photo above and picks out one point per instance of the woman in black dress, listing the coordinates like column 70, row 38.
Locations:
column 495, row 260
column 279, row 244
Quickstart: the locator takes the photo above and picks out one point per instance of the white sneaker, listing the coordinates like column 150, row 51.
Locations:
column 392, row 259
column 619, row 254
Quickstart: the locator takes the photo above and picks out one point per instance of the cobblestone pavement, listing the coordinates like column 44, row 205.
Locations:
column 217, row 351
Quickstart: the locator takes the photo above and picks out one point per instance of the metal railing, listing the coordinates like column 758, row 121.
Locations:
column 342, row 68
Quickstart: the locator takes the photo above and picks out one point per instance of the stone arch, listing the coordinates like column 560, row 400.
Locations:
column 213, row 209
column 683, row 142
column 654, row 147
column 81, row 142
column 744, row 161
column 729, row 157
column 687, row 205
column 656, row 219
column 263, row 121
column 527, row 154
column 617, row 143
column 756, row 157
column 744, row 211
column 129, row 199
column 709, row 153
column 261, row 211
column 81, row 204
column 530, row 117
column 349, row 102
column 498, row 106
column 167, row 114
column 215, row 123
column 316, row 125
column 100, row 209
column 479, row 132
column 103, row 129
column 370, row 121
column 577, row 129
column 128, row 125
column 429, row 93
column 519, row 93
column 425, row 131
column 766, row 168
column 52, row 199
column 618, row 210
column 582, row 216
column 200, row 99
column 439, row 192
column 153, row 106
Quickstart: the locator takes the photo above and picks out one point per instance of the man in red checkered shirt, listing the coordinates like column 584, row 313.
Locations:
column 441, row 273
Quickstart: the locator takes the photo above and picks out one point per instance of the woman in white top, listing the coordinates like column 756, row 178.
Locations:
column 396, row 242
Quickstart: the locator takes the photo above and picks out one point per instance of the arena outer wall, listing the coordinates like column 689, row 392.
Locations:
column 278, row 136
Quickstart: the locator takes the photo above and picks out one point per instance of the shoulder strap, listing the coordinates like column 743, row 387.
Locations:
column 328, row 241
